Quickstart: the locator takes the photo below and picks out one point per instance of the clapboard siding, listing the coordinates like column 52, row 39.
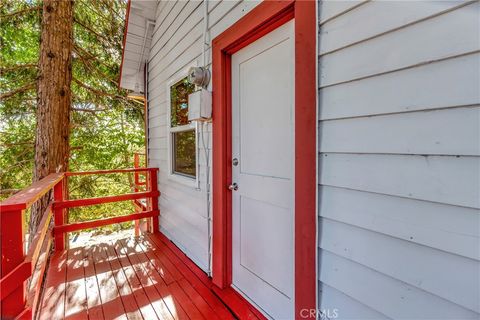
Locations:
column 335, row 300
column 173, row 29
column 444, row 179
column 173, row 58
column 454, row 81
column 395, row 14
column 388, row 255
column 440, row 132
column 176, row 45
column 404, row 47
column 176, row 229
column 328, row 10
column 399, row 165
column 392, row 297
column 159, row 120
column 444, row 227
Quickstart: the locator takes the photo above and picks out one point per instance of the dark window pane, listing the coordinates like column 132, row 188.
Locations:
column 179, row 102
column 184, row 161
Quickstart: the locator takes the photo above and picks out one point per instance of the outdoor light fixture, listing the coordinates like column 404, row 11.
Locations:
column 136, row 94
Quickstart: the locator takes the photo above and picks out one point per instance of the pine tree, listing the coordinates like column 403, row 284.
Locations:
column 54, row 94
column 60, row 104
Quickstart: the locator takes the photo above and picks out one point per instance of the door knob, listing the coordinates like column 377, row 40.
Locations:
column 233, row 187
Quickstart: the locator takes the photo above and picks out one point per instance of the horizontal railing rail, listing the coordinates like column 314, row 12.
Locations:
column 94, row 201
column 76, row 226
column 19, row 299
column 83, row 173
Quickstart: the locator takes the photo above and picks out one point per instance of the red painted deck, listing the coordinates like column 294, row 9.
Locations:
column 143, row 277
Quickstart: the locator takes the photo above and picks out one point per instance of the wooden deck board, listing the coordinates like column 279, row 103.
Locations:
column 126, row 294
column 197, row 300
column 94, row 302
column 138, row 291
column 53, row 304
column 151, row 246
column 149, row 256
column 148, row 283
column 202, row 288
column 236, row 303
column 76, row 306
column 111, row 302
column 133, row 278
column 155, row 272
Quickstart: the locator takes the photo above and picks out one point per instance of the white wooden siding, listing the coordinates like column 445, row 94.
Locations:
column 439, row 132
column 177, row 44
column 399, row 165
column 454, row 81
column 332, row 9
column 422, row 42
column 334, row 300
column 392, row 297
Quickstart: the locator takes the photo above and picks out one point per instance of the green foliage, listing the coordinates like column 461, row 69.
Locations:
column 179, row 102
column 184, row 160
column 106, row 128
column 99, row 186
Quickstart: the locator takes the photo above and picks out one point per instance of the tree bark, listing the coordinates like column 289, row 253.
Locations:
column 53, row 94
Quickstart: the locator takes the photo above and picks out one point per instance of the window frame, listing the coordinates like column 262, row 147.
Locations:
column 193, row 126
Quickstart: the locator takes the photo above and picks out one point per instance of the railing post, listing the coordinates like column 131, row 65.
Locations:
column 59, row 214
column 136, row 164
column 136, row 181
column 153, row 182
column 137, row 225
column 12, row 233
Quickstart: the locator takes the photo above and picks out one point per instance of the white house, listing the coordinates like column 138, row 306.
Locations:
column 339, row 173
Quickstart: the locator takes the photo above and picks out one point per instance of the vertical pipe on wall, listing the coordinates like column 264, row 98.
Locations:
column 145, row 110
column 205, row 48
column 205, row 30
column 207, row 155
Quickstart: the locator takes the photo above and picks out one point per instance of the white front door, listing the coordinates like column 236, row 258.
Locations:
column 263, row 91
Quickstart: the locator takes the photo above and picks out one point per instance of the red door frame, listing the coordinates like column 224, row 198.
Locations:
column 264, row 18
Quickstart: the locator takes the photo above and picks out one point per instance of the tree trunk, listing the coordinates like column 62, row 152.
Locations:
column 53, row 94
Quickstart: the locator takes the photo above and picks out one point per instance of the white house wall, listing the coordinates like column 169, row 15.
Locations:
column 399, row 165
column 399, row 146
column 176, row 45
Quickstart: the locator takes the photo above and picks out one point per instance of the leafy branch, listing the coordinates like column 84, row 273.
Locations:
column 88, row 65
column 20, row 12
column 85, row 55
column 28, row 86
column 104, row 39
column 18, row 67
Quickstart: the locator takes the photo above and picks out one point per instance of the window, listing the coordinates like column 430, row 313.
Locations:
column 183, row 153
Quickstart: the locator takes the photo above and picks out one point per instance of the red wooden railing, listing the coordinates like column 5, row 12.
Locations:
column 138, row 186
column 18, row 266
column 19, row 297
column 137, row 163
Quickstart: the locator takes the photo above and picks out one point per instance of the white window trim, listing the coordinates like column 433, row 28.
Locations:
column 177, row 177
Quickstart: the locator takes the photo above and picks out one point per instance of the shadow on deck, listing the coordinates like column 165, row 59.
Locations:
column 113, row 277
column 144, row 277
